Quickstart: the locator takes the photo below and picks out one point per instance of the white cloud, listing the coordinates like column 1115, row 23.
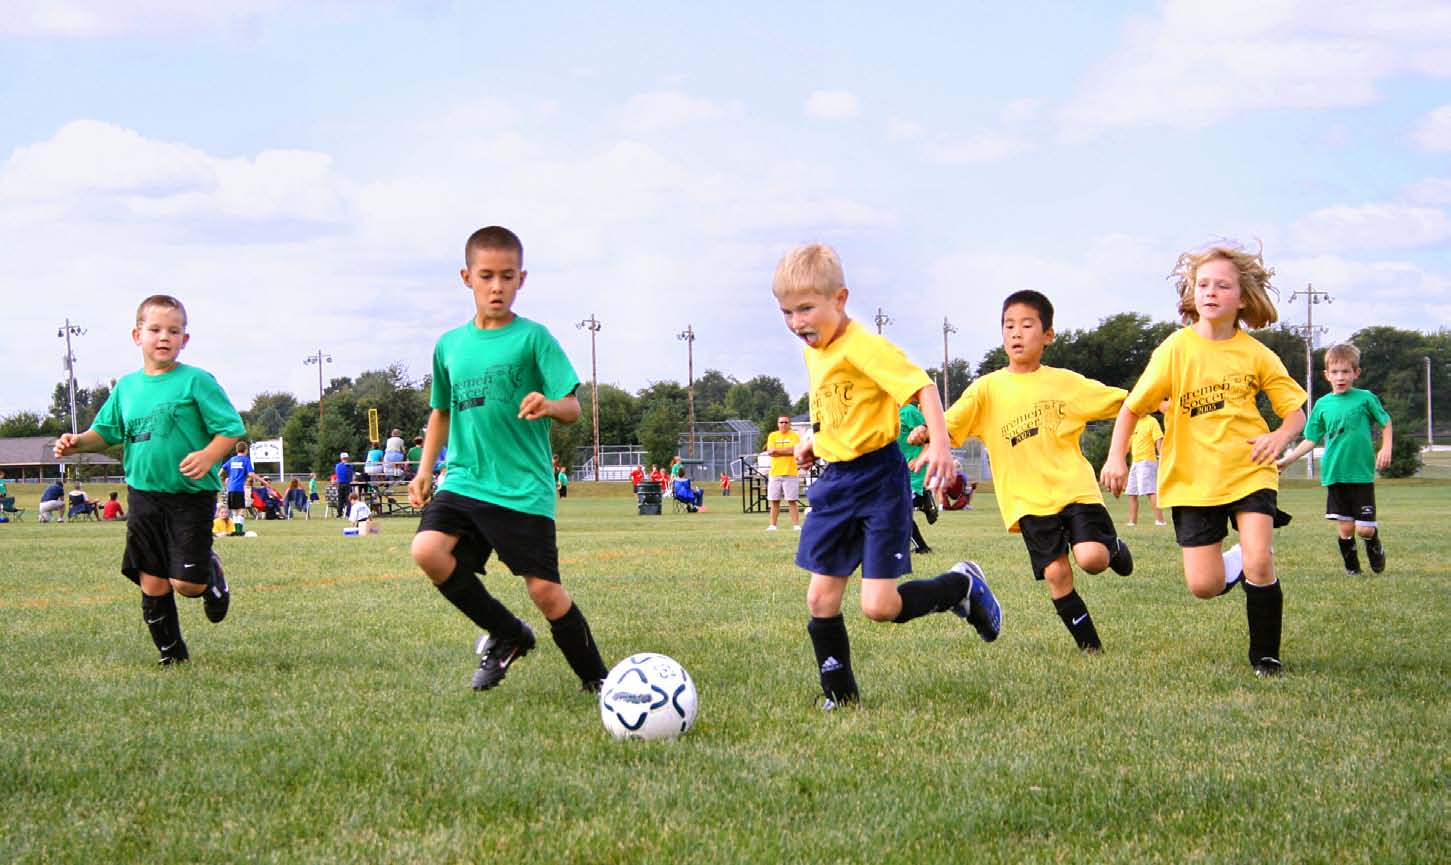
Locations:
column 899, row 129
column 94, row 19
column 832, row 105
column 1376, row 226
column 669, row 109
column 1196, row 64
column 1396, row 293
column 1434, row 131
column 984, row 147
column 1432, row 190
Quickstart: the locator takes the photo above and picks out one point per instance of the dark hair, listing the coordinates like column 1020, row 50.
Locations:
column 1037, row 300
column 493, row 237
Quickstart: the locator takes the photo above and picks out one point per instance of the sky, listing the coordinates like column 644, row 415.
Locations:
column 303, row 176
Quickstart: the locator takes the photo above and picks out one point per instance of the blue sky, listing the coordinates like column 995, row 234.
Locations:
column 303, row 176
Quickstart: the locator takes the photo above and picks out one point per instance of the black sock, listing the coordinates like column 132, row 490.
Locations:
column 1076, row 619
column 917, row 538
column 833, row 658
column 572, row 635
column 942, row 592
column 1371, row 542
column 1348, row 553
column 159, row 614
column 1264, row 607
column 467, row 592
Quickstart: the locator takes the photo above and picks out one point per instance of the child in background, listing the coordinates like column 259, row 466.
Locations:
column 112, row 509
column 1144, row 470
column 1343, row 421
column 222, row 524
column 1217, row 468
column 359, row 514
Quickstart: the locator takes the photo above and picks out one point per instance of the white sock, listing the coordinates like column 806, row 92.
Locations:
column 1233, row 565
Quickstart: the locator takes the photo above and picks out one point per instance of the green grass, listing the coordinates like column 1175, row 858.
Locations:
column 329, row 719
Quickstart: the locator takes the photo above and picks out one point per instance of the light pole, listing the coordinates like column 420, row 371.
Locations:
column 1308, row 332
column 1430, row 433
column 689, row 336
column 593, row 325
column 946, row 329
column 66, row 331
column 320, row 358
column 881, row 318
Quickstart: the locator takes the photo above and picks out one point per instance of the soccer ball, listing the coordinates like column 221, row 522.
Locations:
column 647, row 696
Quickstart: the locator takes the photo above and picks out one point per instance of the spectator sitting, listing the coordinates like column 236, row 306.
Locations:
column 684, row 492
column 266, row 499
column 415, row 456
column 52, row 501
column 360, row 516
column 393, row 463
column 81, row 504
column 957, row 493
column 395, row 441
column 112, row 509
column 373, row 463
column 222, row 525
column 294, row 498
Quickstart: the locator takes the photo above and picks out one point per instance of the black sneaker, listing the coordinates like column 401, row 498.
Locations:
column 174, row 654
column 978, row 607
column 1376, row 553
column 218, row 596
column 929, row 507
column 498, row 654
column 1122, row 561
column 1267, row 668
column 921, row 550
column 591, row 686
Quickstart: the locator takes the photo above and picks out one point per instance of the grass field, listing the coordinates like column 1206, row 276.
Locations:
column 329, row 718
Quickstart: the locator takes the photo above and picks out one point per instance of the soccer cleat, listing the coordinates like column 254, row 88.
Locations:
column 929, row 508
column 498, row 655
column 921, row 550
column 591, row 686
column 1268, row 667
column 218, row 596
column 978, row 607
column 1122, row 561
column 174, row 654
column 828, row 703
column 1376, row 553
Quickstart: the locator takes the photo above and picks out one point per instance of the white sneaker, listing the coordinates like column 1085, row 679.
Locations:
column 1161, row 523
column 1131, row 525
column 770, row 528
column 796, row 528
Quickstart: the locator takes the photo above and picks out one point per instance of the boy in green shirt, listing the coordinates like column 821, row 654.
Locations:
column 498, row 382
column 177, row 425
column 1342, row 421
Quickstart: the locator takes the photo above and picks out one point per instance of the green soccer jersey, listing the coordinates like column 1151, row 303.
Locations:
column 161, row 419
column 910, row 417
column 479, row 378
column 1341, row 422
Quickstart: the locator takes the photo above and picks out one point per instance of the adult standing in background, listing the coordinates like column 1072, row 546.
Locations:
column 783, row 482
column 344, row 471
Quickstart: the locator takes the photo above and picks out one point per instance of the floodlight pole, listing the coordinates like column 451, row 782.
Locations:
column 320, row 358
column 1430, row 432
column 689, row 336
column 593, row 325
column 68, row 330
column 881, row 318
column 1308, row 332
column 946, row 329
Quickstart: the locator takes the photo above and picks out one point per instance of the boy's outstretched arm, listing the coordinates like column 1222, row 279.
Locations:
column 1383, row 456
column 434, row 438
column 88, row 442
column 534, row 406
column 1115, row 473
column 1267, row 446
column 936, row 455
column 1304, row 447
column 198, row 464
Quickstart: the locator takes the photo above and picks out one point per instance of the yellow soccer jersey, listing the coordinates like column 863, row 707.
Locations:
column 858, row 382
column 1146, row 432
column 1031, row 423
column 783, row 466
column 1211, row 387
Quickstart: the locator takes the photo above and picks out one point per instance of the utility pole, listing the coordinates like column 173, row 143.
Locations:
column 593, row 325
column 320, row 358
column 946, row 329
column 881, row 318
column 66, row 331
column 1308, row 333
column 1430, row 433
column 689, row 336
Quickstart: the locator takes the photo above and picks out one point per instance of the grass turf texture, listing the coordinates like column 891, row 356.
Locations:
column 330, row 719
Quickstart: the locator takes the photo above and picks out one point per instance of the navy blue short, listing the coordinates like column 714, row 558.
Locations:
column 861, row 515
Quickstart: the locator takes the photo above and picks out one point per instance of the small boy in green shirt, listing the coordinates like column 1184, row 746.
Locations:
column 1342, row 421
column 177, row 425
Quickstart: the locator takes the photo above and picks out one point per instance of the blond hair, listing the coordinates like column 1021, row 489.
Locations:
column 1343, row 353
column 812, row 267
column 1254, row 282
column 160, row 301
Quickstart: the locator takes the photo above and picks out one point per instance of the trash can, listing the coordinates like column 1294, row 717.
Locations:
column 647, row 497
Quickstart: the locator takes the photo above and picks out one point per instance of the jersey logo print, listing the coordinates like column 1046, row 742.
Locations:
column 833, row 403
column 1044, row 417
column 1235, row 388
column 497, row 383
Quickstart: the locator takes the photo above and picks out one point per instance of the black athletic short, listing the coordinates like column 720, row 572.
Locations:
column 1346, row 502
column 1049, row 537
column 169, row 535
column 524, row 542
column 1199, row 526
column 237, row 501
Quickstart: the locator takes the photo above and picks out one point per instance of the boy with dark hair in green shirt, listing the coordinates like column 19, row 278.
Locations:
column 177, row 425
column 498, row 382
column 1342, row 421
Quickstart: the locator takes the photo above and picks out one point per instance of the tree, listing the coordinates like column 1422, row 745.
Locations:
column 29, row 423
column 761, row 400
column 710, row 395
column 619, row 416
column 959, row 376
column 268, row 414
column 660, row 431
column 88, row 404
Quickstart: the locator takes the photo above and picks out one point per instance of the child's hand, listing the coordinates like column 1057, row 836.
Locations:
column 419, row 489
column 1115, row 474
column 805, row 454
column 66, row 445
column 918, row 435
column 940, row 466
column 534, row 406
column 1268, row 446
column 1283, row 463
column 195, row 465
column 1383, row 458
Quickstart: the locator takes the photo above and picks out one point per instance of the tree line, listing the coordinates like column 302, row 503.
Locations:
column 1114, row 352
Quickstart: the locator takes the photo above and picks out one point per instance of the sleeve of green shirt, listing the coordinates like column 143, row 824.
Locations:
column 555, row 369
column 218, row 413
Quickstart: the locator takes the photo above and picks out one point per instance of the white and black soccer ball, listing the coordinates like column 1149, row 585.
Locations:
column 648, row 696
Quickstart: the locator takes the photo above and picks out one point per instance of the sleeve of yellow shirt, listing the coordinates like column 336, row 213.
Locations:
column 963, row 416
column 1098, row 401
column 894, row 373
column 1284, row 394
column 1152, row 387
